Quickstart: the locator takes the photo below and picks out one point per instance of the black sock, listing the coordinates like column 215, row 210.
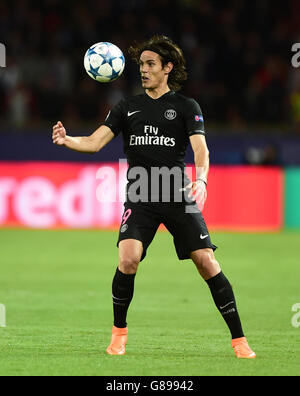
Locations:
column 122, row 290
column 224, row 299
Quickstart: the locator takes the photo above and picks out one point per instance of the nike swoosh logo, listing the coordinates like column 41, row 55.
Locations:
column 204, row 236
column 129, row 114
column 120, row 299
column 231, row 302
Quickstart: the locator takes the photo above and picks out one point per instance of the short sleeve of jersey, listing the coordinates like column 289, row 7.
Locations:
column 194, row 118
column 115, row 118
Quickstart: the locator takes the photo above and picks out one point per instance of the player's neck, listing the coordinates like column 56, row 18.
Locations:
column 156, row 93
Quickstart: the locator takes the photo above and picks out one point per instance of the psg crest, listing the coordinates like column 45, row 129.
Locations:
column 170, row 115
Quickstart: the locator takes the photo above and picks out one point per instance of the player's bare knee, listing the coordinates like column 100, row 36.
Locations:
column 129, row 265
column 206, row 263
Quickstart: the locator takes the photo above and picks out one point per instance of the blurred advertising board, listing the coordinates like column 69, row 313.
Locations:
column 75, row 195
column 292, row 197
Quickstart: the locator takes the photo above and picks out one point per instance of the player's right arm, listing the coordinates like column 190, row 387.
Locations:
column 83, row 144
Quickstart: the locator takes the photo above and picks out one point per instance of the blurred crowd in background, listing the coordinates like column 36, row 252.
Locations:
column 238, row 55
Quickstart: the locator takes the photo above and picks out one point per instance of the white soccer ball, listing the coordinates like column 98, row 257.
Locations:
column 104, row 62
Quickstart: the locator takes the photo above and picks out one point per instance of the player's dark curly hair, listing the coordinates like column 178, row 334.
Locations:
column 168, row 52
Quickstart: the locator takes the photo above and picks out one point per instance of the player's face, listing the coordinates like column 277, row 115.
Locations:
column 152, row 72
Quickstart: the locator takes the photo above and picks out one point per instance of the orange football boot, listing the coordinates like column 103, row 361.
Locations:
column 118, row 341
column 242, row 349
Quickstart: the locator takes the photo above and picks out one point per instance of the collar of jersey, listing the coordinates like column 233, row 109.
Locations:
column 161, row 97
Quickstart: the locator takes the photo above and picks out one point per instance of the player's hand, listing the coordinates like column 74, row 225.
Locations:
column 198, row 193
column 59, row 134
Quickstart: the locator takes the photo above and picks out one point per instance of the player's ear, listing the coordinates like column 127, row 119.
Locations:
column 168, row 67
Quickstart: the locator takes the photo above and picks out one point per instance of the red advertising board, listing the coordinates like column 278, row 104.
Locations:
column 73, row 195
column 245, row 198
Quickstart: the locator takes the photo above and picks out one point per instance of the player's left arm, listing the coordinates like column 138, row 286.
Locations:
column 201, row 156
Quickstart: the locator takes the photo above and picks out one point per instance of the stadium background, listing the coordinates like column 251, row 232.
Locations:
column 239, row 64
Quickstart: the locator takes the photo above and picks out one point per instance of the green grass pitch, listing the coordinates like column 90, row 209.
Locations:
column 56, row 287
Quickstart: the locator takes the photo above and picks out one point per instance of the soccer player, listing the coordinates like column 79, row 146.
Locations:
column 157, row 127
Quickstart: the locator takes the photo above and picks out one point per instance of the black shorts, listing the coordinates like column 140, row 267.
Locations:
column 185, row 222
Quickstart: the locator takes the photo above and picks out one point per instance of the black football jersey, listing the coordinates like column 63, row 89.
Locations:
column 156, row 132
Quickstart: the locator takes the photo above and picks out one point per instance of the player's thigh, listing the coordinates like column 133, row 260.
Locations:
column 130, row 255
column 189, row 230
column 138, row 228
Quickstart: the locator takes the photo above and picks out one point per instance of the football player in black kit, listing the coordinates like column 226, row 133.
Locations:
column 157, row 127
